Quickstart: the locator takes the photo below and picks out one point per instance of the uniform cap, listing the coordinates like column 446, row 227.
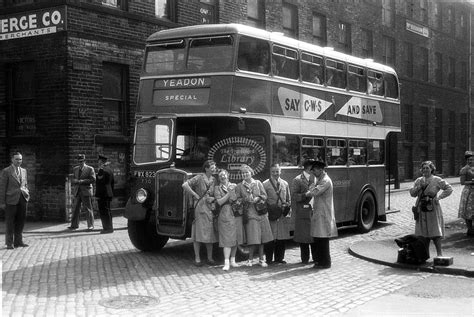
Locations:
column 102, row 157
column 81, row 157
column 318, row 164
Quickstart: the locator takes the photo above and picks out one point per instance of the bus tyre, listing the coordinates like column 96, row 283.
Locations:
column 366, row 213
column 144, row 237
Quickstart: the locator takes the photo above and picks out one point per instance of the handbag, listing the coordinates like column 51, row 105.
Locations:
column 275, row 211
column 261, row 207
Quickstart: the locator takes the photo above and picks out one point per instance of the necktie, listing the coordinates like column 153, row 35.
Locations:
column 80, row 172
column 18, row 172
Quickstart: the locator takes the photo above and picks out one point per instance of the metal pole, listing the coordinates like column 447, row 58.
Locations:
column 469, row 119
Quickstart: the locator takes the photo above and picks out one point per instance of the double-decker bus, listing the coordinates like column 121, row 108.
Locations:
column 240, row 95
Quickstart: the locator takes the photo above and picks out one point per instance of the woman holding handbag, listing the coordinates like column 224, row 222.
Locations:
column 430, row 222
column 201, row 188
column 257, row 229
column 230, row 227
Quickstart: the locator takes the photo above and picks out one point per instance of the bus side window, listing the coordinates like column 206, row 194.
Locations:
column 285, row 150
column 375, row 152
column 357, row 152
column 336, row 152
column 336, row 74
column 357, row 81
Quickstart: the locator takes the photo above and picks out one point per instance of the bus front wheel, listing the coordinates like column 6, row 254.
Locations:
column 366, row 213
column 143, row 235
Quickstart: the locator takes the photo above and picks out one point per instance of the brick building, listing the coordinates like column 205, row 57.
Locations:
column 69, row 74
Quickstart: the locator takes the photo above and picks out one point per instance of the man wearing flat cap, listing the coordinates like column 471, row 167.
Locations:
column 104, row 191
column 323, row 220
column 83, row 178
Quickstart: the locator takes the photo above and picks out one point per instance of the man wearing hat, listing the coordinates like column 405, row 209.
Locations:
column 104, row 191
column 83, row 178
column 323, row 220
column 301, row 207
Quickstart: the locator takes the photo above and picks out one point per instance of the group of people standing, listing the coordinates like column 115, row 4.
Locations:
column 14, row 196
column 241, row 213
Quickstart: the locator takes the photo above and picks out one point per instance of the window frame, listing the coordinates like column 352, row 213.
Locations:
column 122, row 101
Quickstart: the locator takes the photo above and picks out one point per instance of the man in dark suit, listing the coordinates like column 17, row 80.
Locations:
column 302, row 209
column 83, row 177
column 104, row 191
column 14, row 196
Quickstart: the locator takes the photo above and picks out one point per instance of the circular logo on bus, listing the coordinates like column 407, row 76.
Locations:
column 231, row 153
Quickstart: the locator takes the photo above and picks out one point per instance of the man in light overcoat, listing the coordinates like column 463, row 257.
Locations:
column 323, row 220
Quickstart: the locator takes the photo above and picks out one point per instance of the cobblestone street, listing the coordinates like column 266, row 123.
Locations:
column 88, row 274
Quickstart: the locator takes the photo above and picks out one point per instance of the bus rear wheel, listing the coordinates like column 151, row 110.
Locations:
column 366, row 213
column 144, row 237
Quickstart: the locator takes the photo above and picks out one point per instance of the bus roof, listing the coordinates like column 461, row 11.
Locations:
column 274, row 37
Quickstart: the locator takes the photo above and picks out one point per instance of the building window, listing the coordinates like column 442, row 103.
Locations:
column 388, row 51
column 408, row 123
column 166, row 9
column 208, row 11
column 462, row 27
column 452, row 72
column 451, row 21
column 408, row 52
column 367, row 44
column 424, row 63
column 464, row 131
column 344, row 37
column 439, row 68
column 319, row 29
column 424, row 11
column 290, row 20
column 388, row 12
column 256, row 13
column 410, row 8
column 463, row 75
column 437, row 20
column 451, row 127
column 119, row 4
column 423, row 123
column 115, row 95
column 21, row 95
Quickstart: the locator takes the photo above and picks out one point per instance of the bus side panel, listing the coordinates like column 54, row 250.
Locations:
column 358, row 177
column 377, row 180
column 341, row 184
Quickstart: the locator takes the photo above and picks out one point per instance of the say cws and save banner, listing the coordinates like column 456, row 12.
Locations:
column 32, row 23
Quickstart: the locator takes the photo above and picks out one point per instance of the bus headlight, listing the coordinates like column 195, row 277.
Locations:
column 141, row 195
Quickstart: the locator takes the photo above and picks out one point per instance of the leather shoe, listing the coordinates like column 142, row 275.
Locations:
column 198, row 264
column 72, row 228
column 281, row 262
column 10, row 247
column 22, row 245
column 320, row 266
column 106, row 231
column 211, row 262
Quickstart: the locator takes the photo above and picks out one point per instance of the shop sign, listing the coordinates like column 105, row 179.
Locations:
column 32, row 23
column 233, row 152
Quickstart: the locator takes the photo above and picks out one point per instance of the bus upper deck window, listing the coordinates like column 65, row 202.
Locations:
column 164, row 58
column 210, row 54
column 312, row 69
column 253, row 55
column 357, row 81
column 285, row 62
column 335, row 74
column 391, row 85
column 375, row 83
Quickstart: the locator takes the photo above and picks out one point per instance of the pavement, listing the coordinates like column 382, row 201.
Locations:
column 456, row 243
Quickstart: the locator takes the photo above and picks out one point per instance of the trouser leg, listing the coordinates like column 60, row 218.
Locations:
column 322, row 249
column 279, row 250
column 20, row 217
column 76, row 211
column 304, row 249
column 10, row 211
column 313, row 251
column 87, row 202
column 269, row 248
column 105, row 214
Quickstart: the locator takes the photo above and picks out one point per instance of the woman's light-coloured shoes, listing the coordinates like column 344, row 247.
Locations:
column 234, row 264
column 249, row 263
column 262, row 263
column 226, row 267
